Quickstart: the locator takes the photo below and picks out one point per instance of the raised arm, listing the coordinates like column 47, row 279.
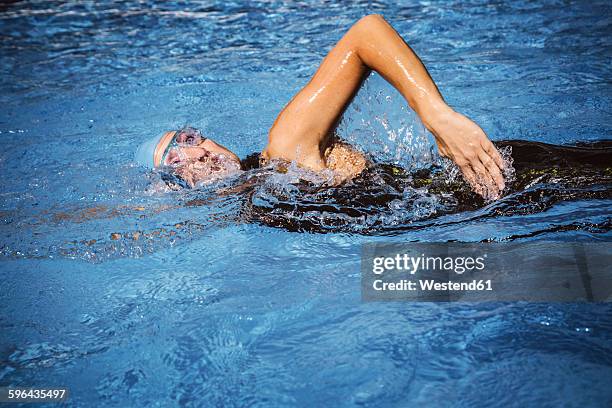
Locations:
column 303, row 130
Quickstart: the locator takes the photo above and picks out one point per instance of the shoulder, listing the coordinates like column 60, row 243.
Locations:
column 343, row 158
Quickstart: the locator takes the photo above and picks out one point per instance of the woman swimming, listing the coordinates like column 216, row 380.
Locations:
column 303, row 132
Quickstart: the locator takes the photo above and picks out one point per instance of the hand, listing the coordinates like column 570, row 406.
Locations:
column 465, row 143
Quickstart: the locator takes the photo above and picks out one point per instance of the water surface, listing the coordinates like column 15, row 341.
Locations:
column 133, row 295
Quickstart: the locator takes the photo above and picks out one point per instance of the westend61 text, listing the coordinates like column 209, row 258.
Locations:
column 432, row 285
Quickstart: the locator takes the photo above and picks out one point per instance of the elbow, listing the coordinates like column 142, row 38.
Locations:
column 370, row 23
column 368, row 27
column 371, row 19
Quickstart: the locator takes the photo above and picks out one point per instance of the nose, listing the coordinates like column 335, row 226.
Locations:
column 194, row 153
column 181, row 154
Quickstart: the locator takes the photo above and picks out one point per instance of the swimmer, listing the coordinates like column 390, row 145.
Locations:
column 304, row 131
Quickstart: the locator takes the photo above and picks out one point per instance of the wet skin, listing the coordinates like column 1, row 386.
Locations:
column 304, row 130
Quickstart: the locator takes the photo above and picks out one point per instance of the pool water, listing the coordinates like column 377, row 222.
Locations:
column 134, row 295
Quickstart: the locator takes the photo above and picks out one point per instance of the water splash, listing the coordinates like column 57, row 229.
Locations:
column 380, row 123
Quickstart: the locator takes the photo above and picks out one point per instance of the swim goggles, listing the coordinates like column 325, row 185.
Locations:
column 186, row 137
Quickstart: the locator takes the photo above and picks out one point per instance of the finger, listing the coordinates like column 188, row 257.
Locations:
column 489, row 147
column 470, row 177
column 494, row 171
column 485, row 179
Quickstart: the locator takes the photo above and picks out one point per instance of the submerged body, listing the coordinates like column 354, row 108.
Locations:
column 388, row 199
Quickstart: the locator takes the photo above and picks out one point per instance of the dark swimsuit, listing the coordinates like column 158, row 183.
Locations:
column 252, row 161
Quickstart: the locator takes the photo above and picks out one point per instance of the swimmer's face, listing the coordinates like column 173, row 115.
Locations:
column 197, row 159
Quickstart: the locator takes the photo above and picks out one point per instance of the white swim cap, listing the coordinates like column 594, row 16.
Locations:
column 145, row 153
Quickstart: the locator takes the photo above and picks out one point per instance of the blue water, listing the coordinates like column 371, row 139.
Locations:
column 135, row 296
